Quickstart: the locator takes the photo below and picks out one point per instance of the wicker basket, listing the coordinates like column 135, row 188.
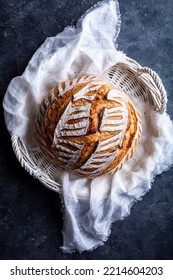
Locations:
column 141, row 82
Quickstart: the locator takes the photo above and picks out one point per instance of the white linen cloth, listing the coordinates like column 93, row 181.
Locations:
column 90, row 205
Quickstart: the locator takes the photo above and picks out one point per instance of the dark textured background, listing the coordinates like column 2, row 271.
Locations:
column 30, row 216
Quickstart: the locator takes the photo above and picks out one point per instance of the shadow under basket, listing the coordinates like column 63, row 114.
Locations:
column 135, row 80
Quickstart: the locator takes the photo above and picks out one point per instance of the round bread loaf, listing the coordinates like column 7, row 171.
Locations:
column 87, row 126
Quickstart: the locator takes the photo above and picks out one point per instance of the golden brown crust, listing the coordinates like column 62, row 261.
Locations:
column 128, row 139
column 54, row 107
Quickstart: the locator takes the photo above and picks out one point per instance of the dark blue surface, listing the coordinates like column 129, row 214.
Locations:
column 30, row 215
